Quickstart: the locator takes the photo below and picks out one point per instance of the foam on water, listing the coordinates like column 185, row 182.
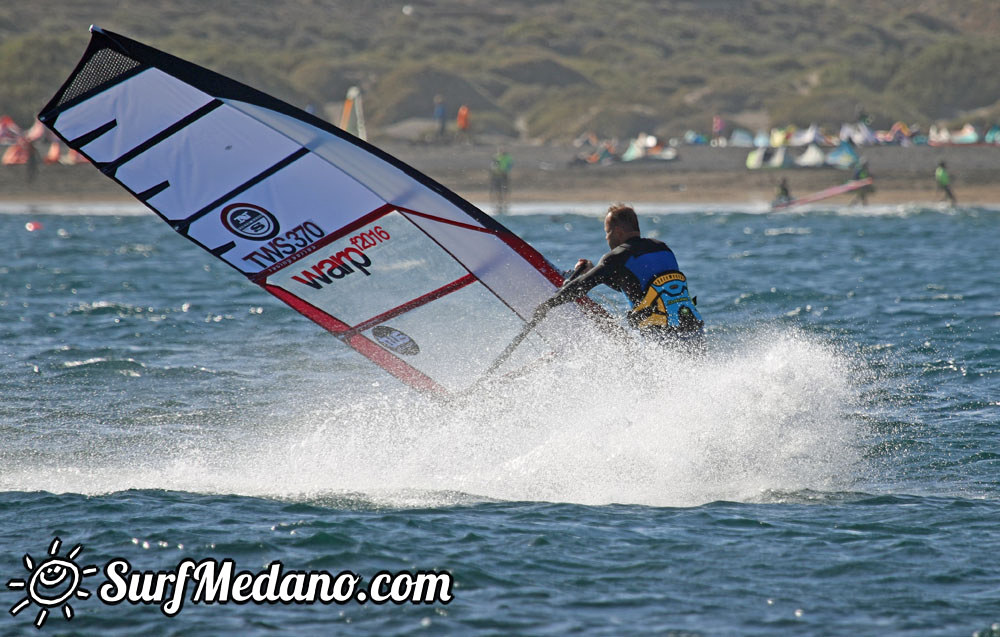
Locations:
column 73, row 208
column 762, row 412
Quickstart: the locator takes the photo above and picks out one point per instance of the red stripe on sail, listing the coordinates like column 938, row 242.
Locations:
column 523, row 249
column 364, row 346
column 454, row 286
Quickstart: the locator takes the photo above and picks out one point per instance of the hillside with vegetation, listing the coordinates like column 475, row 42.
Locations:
column 551, row 70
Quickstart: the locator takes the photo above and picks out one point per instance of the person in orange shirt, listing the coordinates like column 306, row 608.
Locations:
column 462, row 122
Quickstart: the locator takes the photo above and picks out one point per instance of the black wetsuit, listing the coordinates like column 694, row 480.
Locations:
column 647, row 272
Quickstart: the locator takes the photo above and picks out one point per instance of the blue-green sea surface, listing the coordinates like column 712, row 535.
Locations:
column 830, row 467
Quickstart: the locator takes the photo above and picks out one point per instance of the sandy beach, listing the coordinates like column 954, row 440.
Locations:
column 543, row 173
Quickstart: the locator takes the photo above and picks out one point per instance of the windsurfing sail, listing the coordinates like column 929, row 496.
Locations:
column 390, row 262
column 843, row 156
column 824, row 194
column 352, row 118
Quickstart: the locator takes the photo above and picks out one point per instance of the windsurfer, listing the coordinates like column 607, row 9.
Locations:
column 861, row 172
column 782, row 195
column 646, row 270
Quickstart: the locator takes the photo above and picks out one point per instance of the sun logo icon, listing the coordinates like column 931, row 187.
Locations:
column 52, row 583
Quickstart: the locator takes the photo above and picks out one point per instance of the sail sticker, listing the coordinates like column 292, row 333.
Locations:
column 393, row 339
column 250, row 222
column 286, row 245
column 365, row 246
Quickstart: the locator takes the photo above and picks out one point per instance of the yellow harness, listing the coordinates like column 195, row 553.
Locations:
column 667, row 304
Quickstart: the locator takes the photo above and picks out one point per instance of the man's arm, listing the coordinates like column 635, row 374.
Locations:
column 582, row 280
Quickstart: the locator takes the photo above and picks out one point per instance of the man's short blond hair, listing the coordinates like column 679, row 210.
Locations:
column 621, row 215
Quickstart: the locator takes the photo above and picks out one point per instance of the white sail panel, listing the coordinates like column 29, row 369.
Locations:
column 387, row 180
column 380, row 266
column 487, row 254
column 306, row 191
column 204, row 161
column 460, row 334
column 141, row 107
column 495, row 262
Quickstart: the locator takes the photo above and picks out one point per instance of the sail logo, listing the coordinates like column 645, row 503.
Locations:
column 334, row 266
column 250, row 222
column 396, row 341
column 347, row 261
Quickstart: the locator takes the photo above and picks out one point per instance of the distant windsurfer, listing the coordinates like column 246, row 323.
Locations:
column 861, row 172
column 943, row 180
column 646, row 270
column 782, row 195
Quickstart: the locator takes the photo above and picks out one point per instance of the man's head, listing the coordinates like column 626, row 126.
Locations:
column 620, row 225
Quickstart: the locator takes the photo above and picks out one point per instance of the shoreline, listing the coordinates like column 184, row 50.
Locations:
column 988, row 196
column 543, row 174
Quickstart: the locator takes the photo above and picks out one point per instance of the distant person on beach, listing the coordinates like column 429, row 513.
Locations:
column 943, row 180
column 718, row 126
column 500, row 179
column 646, row 271
column 861, row 172
column 862, row 116
column 439, row 115
column 462, row 124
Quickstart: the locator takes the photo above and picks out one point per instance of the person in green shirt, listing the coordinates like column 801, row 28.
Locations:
column 500, row 179
column 861, row 172
column 943, row 180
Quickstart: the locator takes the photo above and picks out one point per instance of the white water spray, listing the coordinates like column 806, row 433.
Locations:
column 771, row 412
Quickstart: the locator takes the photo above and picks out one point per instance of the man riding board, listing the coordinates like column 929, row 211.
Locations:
column 646, row 270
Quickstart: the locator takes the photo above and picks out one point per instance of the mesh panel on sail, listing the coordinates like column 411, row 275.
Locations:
column 103, row 66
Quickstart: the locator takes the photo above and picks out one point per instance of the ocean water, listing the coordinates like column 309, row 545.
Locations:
column 831, row 467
